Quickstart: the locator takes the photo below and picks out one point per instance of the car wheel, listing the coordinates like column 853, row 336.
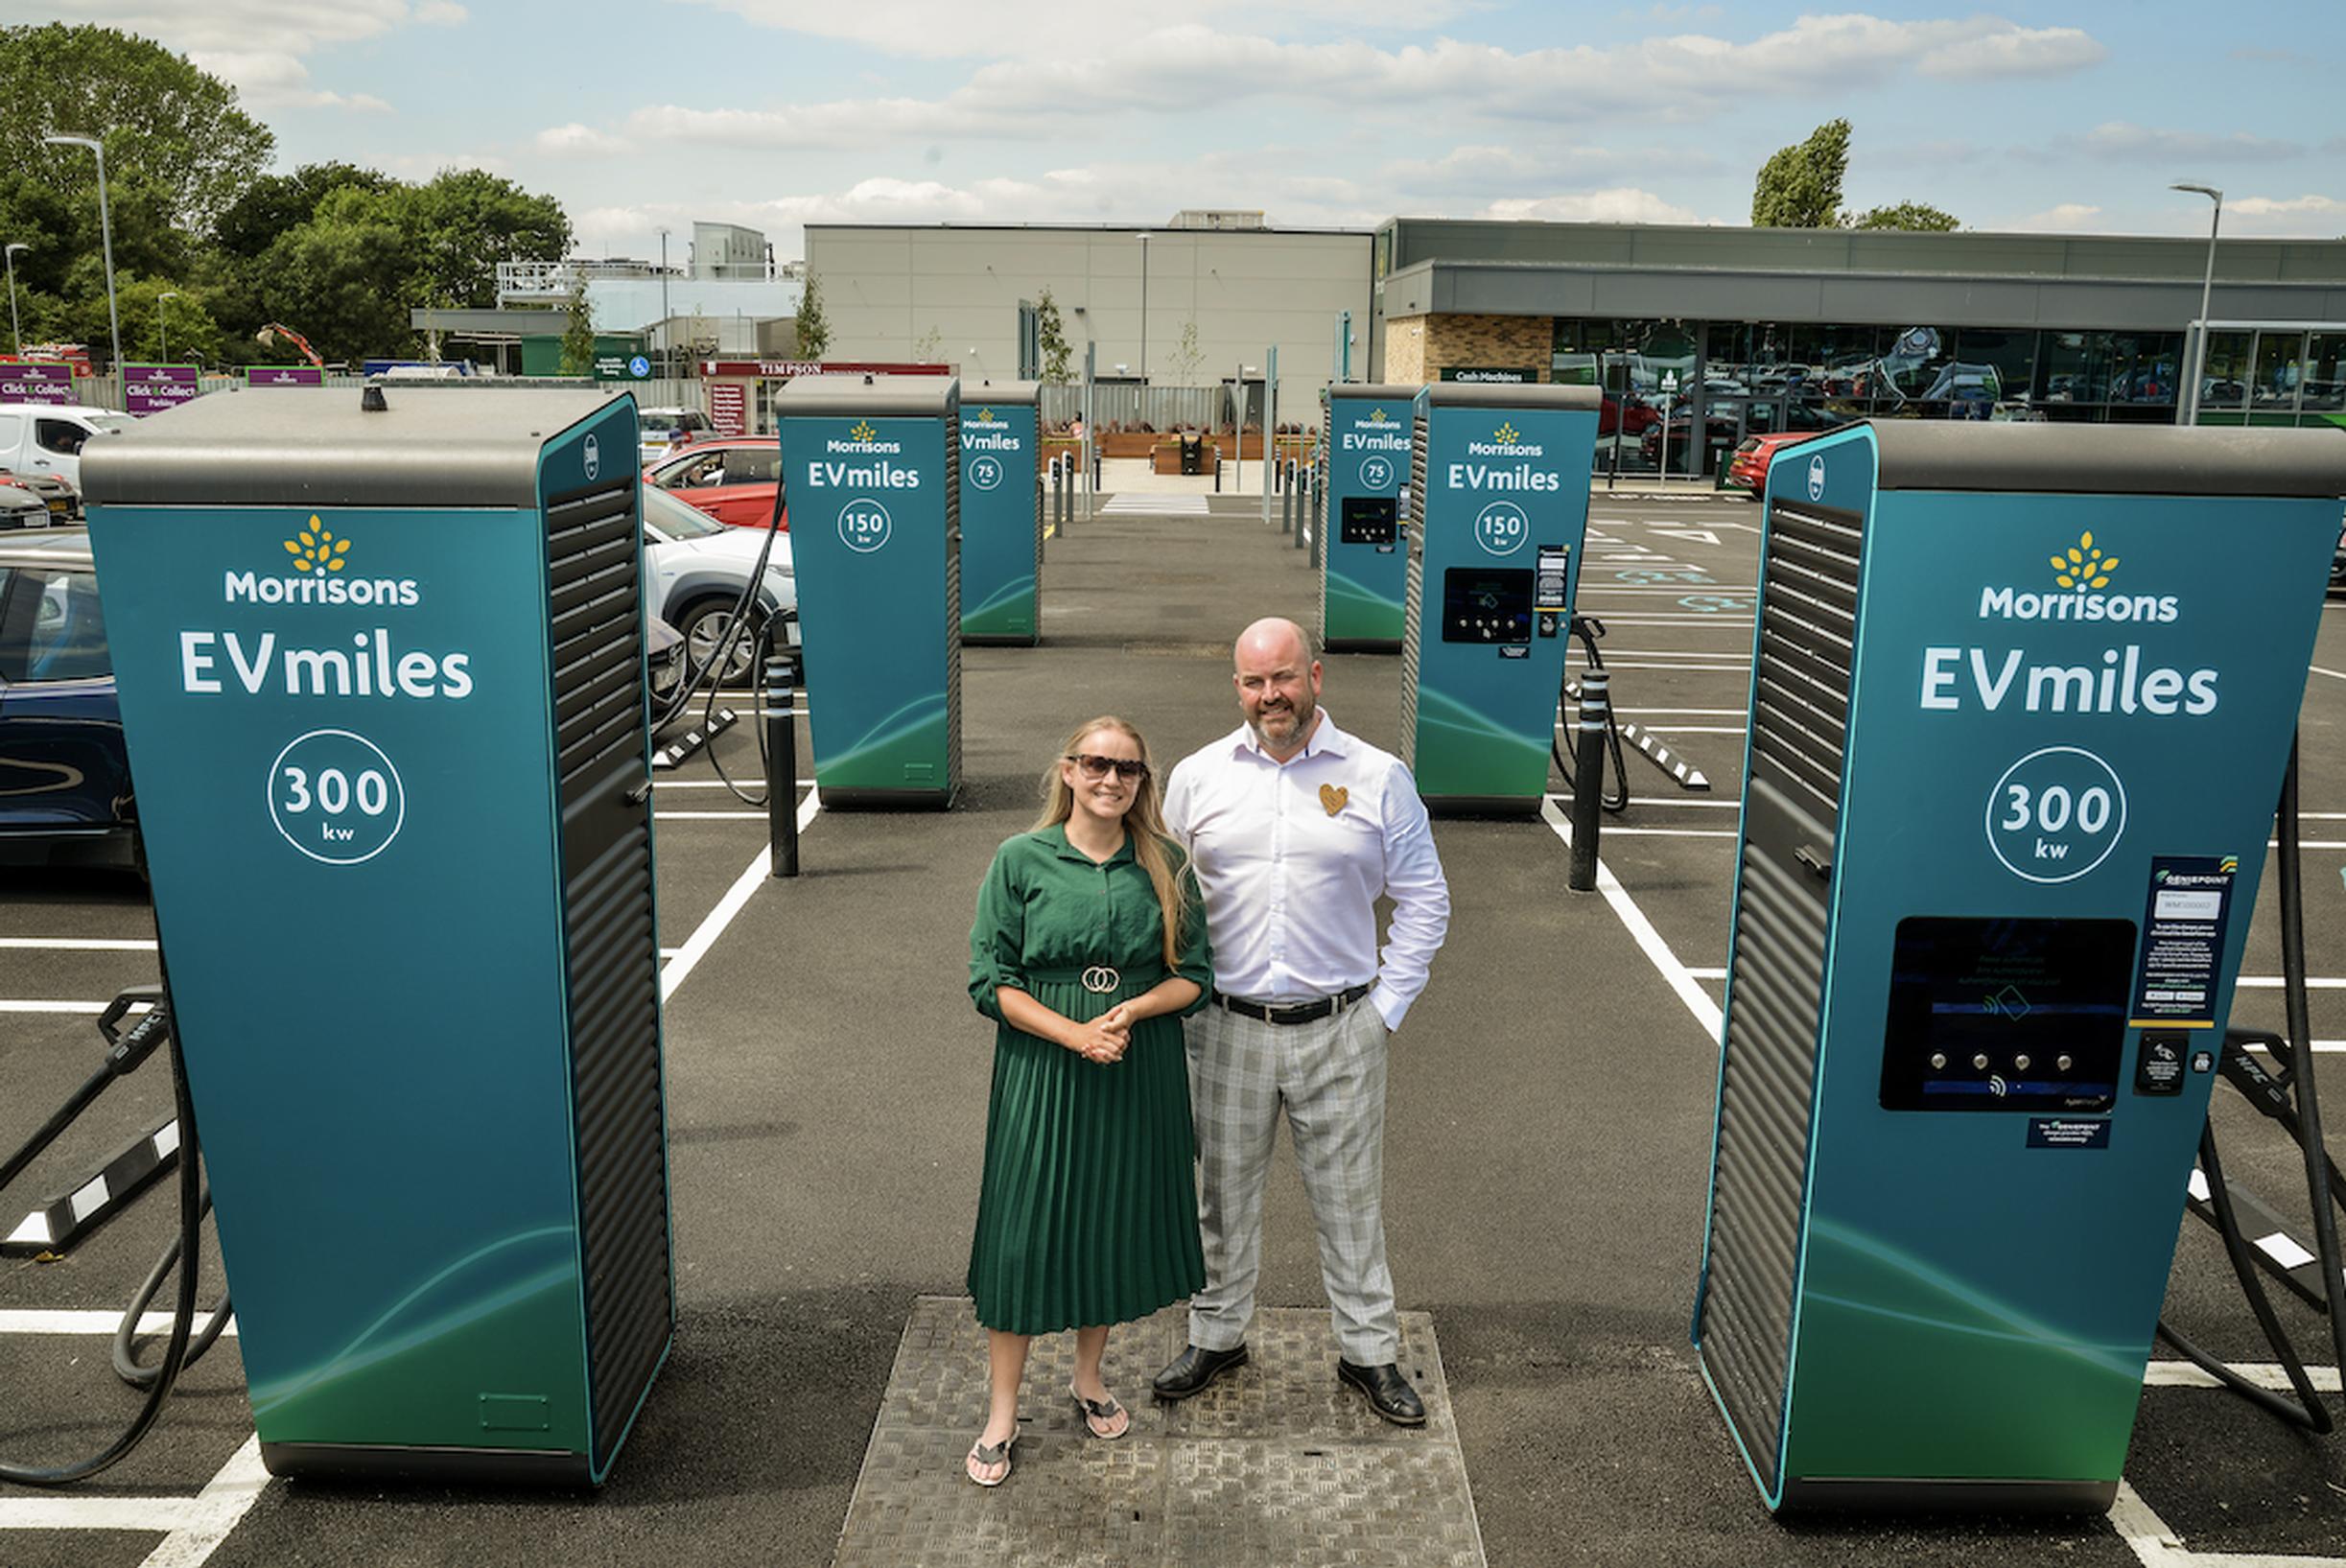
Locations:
column 706, row 624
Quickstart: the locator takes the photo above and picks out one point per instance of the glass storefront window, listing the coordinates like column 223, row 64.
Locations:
column 2223, row 380
column 2073, row 368
column 2325, row 384
column 2279, row 368
column 2005, row 363
column 2145, row 366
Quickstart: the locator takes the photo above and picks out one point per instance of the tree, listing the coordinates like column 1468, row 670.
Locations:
column 337, row 279
column 1799, row 187
column 162, row 118
column 1188, row 355
column 273, row 203
column 579, row 337
column 1051, row 341
column 1910, row 215
column 814, row 330
column 461, row 225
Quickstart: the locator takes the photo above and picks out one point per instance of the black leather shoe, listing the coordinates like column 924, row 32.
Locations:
column 1190, row 1371
column 1388, row 1393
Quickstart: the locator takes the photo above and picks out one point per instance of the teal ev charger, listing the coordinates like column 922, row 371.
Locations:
column 381, row 679
column 1002, row 517
column 2017, row 733
column 874, row 469
column 1500, row 504
column 1364, row 557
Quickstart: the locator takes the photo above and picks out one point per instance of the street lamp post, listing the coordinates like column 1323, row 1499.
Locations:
column 2207, row 289
column 15, row 331
column 667, row 324
column 1145, row 314
column 105, row 235
column 162, row 324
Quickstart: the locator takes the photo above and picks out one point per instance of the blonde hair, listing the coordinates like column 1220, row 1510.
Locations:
column 1144, row 820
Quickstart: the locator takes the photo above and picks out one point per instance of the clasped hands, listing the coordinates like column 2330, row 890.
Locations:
column 1106, row 1038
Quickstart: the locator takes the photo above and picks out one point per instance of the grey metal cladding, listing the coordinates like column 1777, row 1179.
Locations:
column 1468, row 394
column 851, row 394
column 2109, row 460
column 432, row 445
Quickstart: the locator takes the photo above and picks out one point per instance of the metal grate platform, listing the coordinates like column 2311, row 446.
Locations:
column 1275, row 1466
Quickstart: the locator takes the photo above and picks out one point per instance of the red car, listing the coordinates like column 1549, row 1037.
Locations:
column 1748, row 471
column 732, row 479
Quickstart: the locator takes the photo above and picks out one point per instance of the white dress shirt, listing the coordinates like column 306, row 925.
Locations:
column 1291, row 857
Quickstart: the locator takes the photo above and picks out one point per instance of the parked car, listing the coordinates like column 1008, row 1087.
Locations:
column 46, row 439
column 663, row 658
column 660, row 432
column 65, row 502
column 732, row 479
column 1748, row 470
column 64, row 774
column 695, row 569
column 21, row 508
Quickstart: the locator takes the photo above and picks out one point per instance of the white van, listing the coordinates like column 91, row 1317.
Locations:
column 47, row 437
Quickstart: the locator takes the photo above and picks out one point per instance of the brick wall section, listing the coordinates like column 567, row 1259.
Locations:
column 1417, row 348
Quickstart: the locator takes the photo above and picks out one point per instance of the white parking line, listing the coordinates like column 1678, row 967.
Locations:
column 155, row 1514
column 1641, row 930
column 710, row 816
column 224, row 1501
column 81, row 944
column 753, row 876
column 2334, row 674
column 709, row 783
column 27, row 1320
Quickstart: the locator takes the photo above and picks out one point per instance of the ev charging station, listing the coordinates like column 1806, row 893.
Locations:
column 1499, row 506
column 2022, row 701
column 381, row 668
column 874, row 469
column 1364, row 559
column 1002, row 517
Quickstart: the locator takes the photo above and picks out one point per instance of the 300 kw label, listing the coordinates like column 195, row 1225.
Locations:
column 335, row 797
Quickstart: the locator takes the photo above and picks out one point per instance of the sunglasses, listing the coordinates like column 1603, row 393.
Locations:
column 1099, row 767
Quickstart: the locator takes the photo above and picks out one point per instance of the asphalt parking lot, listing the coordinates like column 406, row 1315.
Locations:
column 1548, row 1136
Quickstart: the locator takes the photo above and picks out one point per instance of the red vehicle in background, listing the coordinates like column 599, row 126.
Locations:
column 1748, row 470
column 733, row 477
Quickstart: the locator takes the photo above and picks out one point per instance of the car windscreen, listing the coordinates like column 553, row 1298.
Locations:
column 665, row 517
column 51, row 627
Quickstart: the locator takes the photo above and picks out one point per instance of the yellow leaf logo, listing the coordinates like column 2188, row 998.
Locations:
column 863, row 430
column 1376, row 416
column 2083, row 566
column 1505, row 436
column 985, row 416
column 316, row 549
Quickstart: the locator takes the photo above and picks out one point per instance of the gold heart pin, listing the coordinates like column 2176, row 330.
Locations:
column 1333, row 798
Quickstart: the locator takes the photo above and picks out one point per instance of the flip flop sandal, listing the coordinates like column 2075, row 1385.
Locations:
column 1098, row 1411
column 990, row 1454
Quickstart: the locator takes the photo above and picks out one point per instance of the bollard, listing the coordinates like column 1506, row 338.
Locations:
column 782, row 764
column 1588, row 777
column 1313, row 501
column 1286, row 509
column 1067, row 502
column 1217, row 472
column 1296, row 494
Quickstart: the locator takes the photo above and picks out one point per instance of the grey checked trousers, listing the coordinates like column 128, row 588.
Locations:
column 1329, row 1076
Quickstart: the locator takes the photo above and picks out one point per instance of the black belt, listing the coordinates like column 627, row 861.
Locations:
column 1295, row 1012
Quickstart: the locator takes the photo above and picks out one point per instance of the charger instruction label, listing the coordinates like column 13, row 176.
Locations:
column 2184, row 919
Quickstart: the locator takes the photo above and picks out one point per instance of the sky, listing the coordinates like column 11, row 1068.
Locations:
column 2070, row 116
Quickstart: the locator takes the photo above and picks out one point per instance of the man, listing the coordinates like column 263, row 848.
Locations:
column 1295, row 829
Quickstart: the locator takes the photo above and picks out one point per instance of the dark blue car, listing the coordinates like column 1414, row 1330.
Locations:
column 64, row 775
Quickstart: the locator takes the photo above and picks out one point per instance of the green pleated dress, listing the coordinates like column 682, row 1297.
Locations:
column 1088, row 1209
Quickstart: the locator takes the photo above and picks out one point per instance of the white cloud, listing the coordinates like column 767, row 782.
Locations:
column 278, row 80
column 424, row 166
column 2008, row 51
column 945, row 29
column 442, row 13
column 2069, row 218
column 576, row 140
column 1625, row 204
column 2118, row 140
column 1193, row 67
column 231, row 26
column 2297, row 216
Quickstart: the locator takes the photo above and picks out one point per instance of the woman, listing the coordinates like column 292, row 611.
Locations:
column 1089, row 944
